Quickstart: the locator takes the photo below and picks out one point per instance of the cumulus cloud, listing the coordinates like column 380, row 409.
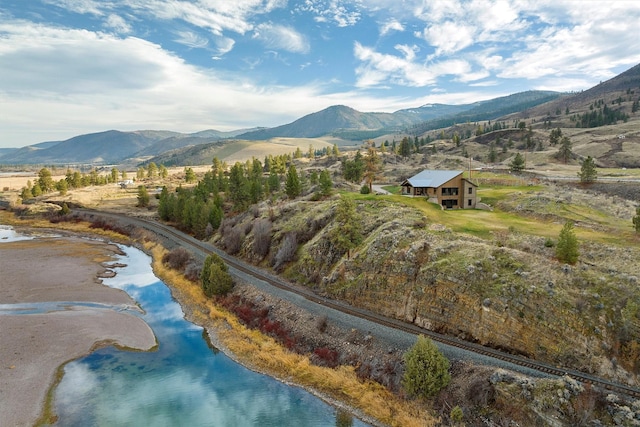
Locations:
column 343, row 13
column 281, row 37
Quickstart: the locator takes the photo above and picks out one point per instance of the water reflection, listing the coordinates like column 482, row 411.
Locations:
column 186, row 382
column 8, row 234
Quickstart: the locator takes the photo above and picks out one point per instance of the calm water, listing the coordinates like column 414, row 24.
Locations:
column 186, row 382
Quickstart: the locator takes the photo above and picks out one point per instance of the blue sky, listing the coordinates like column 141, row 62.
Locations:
column 69, row 67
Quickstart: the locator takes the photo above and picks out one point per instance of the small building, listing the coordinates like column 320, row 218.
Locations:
column 447, row 188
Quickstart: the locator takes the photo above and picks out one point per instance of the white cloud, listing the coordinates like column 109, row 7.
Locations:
column 118, row 24
column 223, row 46
column 93, row 7
column 281, row 38
column 74, row 81
column 448, row 37
column 379, row 69
column 389, row 26
column 343, row 13
column 191, row 39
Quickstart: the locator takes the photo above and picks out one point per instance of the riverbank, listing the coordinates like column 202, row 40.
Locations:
column 33, row 347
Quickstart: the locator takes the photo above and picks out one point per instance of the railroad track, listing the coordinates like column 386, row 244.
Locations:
column 174, row 235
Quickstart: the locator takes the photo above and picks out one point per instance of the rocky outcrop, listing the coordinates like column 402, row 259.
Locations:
column 505, row 291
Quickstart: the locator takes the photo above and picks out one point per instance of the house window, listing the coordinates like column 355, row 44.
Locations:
column 470, row 190
column 469, row 201
column 450, row 191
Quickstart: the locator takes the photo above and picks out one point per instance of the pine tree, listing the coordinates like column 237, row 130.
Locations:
column 426, row 369
column 292, row 186
column 588, row 172
column 565, row 151
column 215, row 277
column 143, row 196
column 517, row 164
column 325, row 183
column 347, row 233
column 567, row 247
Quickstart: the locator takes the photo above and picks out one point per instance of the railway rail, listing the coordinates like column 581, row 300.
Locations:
column 174, row 235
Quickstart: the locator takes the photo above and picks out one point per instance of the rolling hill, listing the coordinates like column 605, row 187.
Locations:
column 339, row 121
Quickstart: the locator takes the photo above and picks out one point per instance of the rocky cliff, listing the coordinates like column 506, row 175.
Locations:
column 506, row 291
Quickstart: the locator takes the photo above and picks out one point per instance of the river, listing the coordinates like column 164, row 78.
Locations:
column 184, row 382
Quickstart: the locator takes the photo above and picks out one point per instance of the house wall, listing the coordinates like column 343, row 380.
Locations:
column 453, row 201
column 470, row 196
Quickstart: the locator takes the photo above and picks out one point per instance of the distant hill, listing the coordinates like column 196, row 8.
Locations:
column 345, row 122
column 339, row 122
column 325, row 122
column 109, row 147
column 624, row 87
column 103, row 147
column 186, row 140
column 489, row 110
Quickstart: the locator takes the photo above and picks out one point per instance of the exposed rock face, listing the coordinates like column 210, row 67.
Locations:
column 506, row 291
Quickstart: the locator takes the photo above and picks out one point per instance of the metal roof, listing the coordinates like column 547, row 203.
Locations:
column 432, row 178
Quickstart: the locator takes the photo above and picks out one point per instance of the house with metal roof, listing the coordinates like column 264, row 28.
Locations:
column 447, row 188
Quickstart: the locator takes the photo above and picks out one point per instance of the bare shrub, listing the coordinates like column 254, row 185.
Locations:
column 232, row 239
column 192, row 271
column 177, row 258
column 583, row 407
column 325, row 356
column 287, row 251
column 208, row 231
column 322, row 323
column 262, row 237
column 481, row 392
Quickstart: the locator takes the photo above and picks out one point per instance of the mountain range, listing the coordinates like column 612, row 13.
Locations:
column 338, row 122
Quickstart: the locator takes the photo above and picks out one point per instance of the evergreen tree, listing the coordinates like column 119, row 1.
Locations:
column 353, row 170
column 239, row 187
column 164, row 172
column 347, row 233
column 143, row 196
column 554, row 136
column 565, row 152
column 26, row 194
column 164, row 207
column 189, row 175
column 372, row 166
column 215, row 276
column 273, row 182
column 152, row 170
column 62, row 186
column 588, row 172
column 517, row 164
column 426, row 369
column 636, row 220
column 114, row 175
column 567, row 247
column 36, row 190
column 325, row 183
column 45, row 181
column 292, row 185
column 405, row 147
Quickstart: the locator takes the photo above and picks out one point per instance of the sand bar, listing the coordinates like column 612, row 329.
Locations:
column 33, row 346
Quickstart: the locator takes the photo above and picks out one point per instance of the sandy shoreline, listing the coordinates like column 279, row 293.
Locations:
column 33, row 346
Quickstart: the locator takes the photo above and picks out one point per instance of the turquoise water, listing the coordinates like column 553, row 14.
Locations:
column 185, row 382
